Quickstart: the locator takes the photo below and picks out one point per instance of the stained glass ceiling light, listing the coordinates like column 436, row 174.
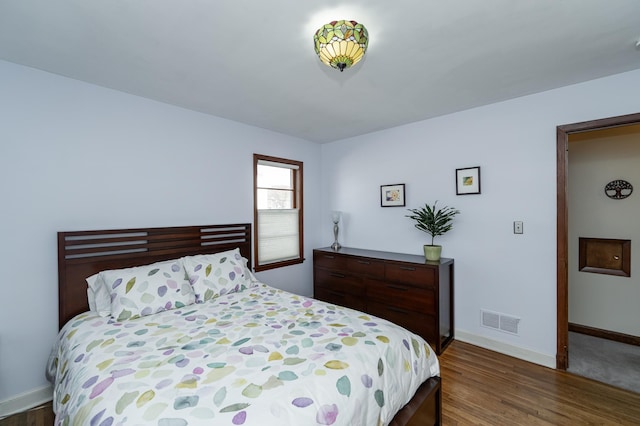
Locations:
column 341, row 44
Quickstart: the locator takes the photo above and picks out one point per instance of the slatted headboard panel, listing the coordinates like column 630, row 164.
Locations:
column 84, row 253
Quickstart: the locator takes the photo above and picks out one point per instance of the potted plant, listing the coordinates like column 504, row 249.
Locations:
column 434, row 222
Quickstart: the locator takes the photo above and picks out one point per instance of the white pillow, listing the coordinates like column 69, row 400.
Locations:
column 98, row 296
column 91, row 299
column 144, row 290
column 213, row 275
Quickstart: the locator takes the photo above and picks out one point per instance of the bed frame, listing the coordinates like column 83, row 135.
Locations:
column 84, row 253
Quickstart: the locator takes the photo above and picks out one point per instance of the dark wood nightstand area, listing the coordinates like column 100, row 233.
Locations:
column 402, row 288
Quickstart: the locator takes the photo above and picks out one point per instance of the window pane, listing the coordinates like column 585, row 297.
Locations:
column 275, row 177
column 274, row 199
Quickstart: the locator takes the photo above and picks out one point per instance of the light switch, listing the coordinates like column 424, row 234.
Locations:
column 517, row 227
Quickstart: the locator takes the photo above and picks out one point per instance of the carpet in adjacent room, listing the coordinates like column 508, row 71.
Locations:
column 607, row 361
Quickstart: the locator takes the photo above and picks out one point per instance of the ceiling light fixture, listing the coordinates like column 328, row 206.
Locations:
column 341, row 44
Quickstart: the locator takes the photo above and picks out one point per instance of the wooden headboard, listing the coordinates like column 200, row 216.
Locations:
column 84, row 253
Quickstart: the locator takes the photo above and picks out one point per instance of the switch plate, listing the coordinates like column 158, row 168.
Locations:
column 517, row 227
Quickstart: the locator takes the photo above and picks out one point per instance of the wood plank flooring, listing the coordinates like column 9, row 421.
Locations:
column 482, row 387
column 39, row 416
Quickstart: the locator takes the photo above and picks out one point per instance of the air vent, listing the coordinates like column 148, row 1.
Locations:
column 490, row 319
column 500, row 322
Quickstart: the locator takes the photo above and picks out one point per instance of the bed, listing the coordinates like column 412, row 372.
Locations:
column 224, row 348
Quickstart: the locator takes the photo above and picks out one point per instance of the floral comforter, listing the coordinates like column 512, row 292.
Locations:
column 259, row 357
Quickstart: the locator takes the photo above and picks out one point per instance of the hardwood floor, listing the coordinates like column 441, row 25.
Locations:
column 39, row 416
column 482, row 387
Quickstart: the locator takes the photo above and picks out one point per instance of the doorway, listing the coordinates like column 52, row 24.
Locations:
column 562, row 146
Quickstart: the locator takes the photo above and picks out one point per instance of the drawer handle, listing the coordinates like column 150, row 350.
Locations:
column 397, row 287
column 364, row 262
column 329, row 257
column 407, row 268
column 333, row 274
column 398, row 310
column 335, row 293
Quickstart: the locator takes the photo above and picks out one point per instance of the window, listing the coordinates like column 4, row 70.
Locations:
column 277, row 212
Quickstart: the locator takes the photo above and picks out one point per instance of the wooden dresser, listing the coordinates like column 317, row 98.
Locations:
column 402, row 288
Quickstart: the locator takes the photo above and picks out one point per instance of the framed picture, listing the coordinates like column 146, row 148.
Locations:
column 468, row 181
column 392, row 195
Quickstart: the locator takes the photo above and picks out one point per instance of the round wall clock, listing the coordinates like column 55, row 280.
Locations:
column 618, row 189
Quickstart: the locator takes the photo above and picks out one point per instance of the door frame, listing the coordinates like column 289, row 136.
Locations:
column 562, row 147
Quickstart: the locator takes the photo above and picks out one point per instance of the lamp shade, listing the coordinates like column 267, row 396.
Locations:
column 341, row 44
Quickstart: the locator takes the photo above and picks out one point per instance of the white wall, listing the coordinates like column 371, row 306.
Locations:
column 514, row 142
column 75, row 156
column 607, row 302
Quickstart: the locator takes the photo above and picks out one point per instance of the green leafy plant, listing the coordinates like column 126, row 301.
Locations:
column 433, row 221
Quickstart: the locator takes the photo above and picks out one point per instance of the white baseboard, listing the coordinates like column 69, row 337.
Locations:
column 26, row 401
column 507, row 349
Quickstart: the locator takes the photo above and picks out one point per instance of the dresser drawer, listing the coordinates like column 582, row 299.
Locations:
column 330, row 261
column 355, row 265
column 410, row 274
column 365, row 267
column 422, row 324
column 406, row 297
column 338, row 282
column 336, row 297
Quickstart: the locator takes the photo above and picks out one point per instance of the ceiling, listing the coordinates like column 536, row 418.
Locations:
column 253, row 61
